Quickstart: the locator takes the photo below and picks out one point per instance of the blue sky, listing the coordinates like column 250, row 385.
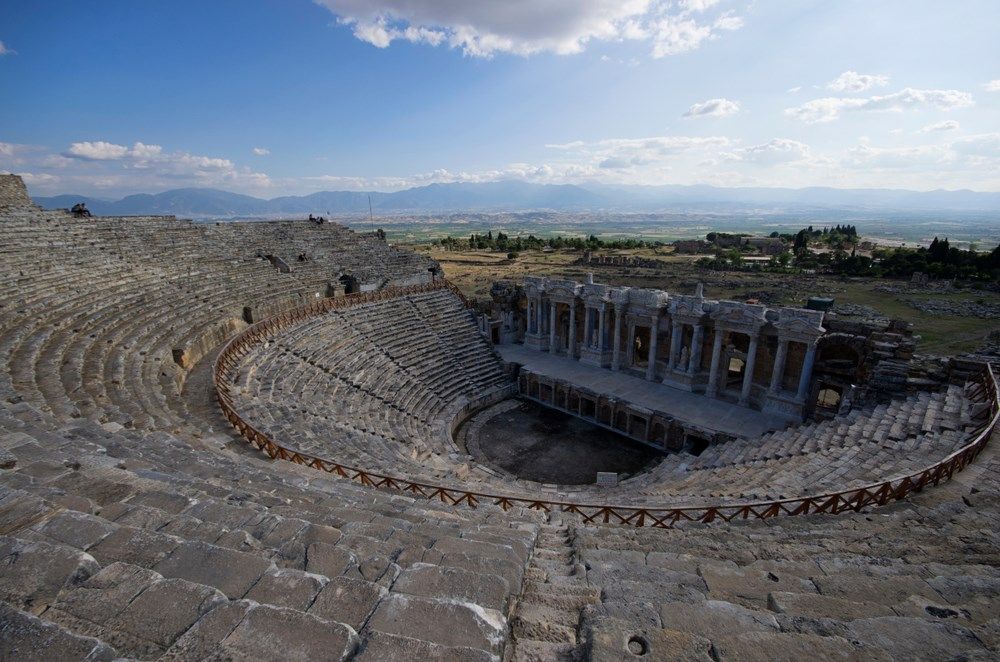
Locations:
column 288, row 97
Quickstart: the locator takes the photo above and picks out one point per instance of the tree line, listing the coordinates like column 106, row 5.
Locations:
column 503, row 242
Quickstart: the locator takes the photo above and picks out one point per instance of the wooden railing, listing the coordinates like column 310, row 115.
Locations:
column 853, row 499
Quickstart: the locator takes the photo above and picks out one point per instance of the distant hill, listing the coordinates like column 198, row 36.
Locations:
column 523, row 196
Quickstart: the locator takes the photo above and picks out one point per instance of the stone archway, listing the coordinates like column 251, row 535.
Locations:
column 350, row 283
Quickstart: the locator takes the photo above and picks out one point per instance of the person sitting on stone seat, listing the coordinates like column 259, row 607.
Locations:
column 311, row 217
column 80, row 209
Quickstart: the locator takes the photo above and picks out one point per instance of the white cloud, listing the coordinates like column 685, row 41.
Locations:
column 673, row 35
column 697, row 5
column 97, row 151
column 962, row 160
column 865, row 156
column 992, row 86
column 38, row 179
column 983, row 145
column 830, row 108
column 111, row 168
column 713, row 108
column 940, row 127
column 6, row 50
column 523, row 27
column 636, row 160
column 778, row 150
column 852, row 81
column 13, row 149
column 261, row 151
column 728, row 22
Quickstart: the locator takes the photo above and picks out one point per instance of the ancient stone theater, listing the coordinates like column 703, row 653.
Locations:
column 287, row 440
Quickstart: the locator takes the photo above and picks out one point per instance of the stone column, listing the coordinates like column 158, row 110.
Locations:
column 571, row 346
column 713, row 372
column 807, row 370
column 552, row 327
column 654, row 342
column 602, row 330
column 779, row 366
column 748, row 371
column 675, row 344
column 531, row 316
column 587, row 335
column 616, row 349
column 694, row 360
column 630, row 345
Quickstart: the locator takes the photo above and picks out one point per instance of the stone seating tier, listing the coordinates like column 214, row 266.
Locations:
column 97, row 311
column 344, row 386
column 139, row 544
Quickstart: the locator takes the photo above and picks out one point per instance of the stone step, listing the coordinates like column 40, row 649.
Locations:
column 32, row 639
column 541, row 623
column 527, row 650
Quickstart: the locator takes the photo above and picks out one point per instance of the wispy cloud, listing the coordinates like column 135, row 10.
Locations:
column 830, row 108
column 940, row 127
column 6, row 50
column 778, row 150
column 261, row 151
column 101, row 165
column 852, row 81
column 713, row 108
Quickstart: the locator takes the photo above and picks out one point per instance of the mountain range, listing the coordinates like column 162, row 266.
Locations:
column 522, row 196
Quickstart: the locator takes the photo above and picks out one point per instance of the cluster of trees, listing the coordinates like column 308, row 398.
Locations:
column 712, row 237
column 939, row 260
column 732, row 260
column 837, row 237
column 503, row 242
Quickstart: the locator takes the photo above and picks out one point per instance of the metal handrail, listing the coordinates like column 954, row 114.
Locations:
column 853, row 499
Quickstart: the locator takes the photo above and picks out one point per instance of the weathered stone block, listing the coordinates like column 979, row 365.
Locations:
column 348, row 601
column 447, row 624
column 231, row 572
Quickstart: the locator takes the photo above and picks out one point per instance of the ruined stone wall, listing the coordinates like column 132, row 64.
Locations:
column 619, row 261
column 13, row 193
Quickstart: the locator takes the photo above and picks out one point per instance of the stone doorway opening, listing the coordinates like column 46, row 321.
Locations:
column 350, row 284
column 695, row 445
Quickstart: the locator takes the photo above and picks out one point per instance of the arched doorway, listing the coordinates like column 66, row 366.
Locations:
column 350, row 284
column 695, row 445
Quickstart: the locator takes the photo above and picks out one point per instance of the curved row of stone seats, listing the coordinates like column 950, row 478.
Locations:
column 139, row 544
column 362, row 386
column 362, row 255
column 863, row 447
column 912, row 581
column 97, row 312
column 373, row 385
column 154, row 547
column 107, row 529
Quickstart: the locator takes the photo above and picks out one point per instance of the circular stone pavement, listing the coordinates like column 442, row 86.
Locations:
column 536, row 443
